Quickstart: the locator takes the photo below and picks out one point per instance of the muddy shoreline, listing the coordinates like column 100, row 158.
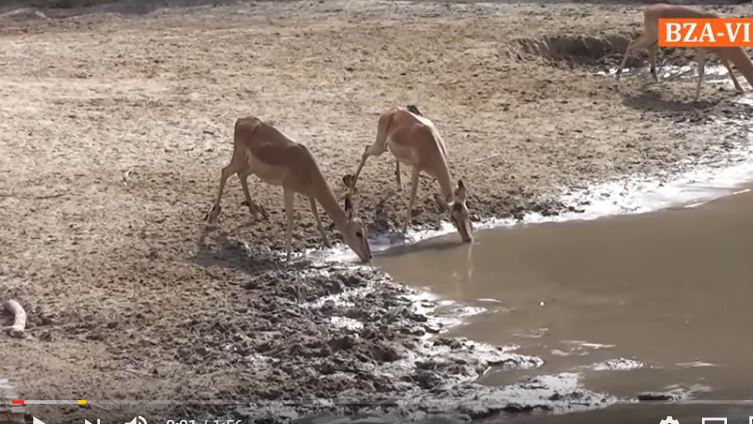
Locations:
column 116, row 127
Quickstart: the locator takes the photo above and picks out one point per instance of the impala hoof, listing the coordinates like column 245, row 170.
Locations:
column 211, row 216
column 256, row 209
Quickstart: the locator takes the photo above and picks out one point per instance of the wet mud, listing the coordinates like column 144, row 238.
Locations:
column 647, row 307
column 320, row 341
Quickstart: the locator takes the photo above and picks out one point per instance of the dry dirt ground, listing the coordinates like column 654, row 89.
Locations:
column 114, row 128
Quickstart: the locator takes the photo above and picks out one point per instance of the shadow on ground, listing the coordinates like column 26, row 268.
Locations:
column 653, row 101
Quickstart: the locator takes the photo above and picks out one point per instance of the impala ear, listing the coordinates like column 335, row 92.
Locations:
column 349, row 207
column 349, row 181
column 460, row 192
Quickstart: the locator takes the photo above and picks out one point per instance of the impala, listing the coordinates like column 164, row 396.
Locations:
column 266, row 152
column 649, row 40
column 414, row 140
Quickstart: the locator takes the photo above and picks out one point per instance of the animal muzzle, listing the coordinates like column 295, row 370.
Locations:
column 366, row 254
column 464, row 229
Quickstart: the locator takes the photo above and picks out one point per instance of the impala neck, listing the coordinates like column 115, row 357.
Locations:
column 323, row 194
column 445, row 182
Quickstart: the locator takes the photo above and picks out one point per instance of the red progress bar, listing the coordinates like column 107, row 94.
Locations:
column 17, row 402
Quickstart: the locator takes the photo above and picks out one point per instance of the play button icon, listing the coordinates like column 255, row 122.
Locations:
column 36, row 420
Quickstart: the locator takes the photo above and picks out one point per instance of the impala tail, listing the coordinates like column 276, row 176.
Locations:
column 414, row 110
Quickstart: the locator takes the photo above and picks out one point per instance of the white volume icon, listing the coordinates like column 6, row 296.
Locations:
column 137, row 420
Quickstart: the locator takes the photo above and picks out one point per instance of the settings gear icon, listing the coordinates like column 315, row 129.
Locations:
column 669, row 420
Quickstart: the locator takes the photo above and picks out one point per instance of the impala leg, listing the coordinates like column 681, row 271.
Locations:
column 639, row 42
column 375, row 149
column 732, row 75
column 625, row 58
column 290, row 214
column 413, row 190
column 312, row 202
column 652, row 50
column 227, row 171
column 397, row 175
column 701, row 58
column 254, row 207
column 364, row 156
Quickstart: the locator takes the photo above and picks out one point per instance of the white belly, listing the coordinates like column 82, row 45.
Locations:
column 402, row 153
column 270, row 174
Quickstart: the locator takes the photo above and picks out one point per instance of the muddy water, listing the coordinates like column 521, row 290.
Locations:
column 644, row 303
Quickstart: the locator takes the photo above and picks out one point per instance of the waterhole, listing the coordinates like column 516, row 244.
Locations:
column 634, row 305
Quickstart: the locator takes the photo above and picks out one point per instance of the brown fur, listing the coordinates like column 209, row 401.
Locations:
column 261, row 149
column 414, row 140
column 275, row 148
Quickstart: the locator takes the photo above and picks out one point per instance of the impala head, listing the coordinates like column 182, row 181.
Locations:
column 354, row 234
column 459, row 213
